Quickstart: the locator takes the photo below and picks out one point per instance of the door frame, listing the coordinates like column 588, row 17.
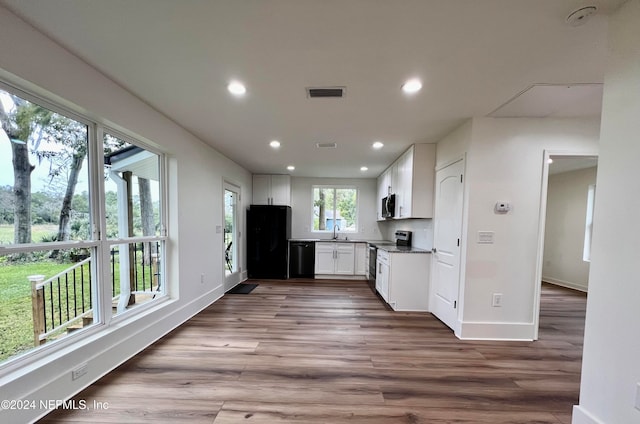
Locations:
column 542, row 223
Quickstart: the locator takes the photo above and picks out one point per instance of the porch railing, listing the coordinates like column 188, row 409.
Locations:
column 65, row 300
column 60, row 301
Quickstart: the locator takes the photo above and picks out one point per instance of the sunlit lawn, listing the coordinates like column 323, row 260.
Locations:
column 37, row 232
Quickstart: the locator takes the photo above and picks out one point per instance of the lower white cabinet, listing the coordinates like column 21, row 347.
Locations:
column 335, row 258
column 361, row 260
column 340, row 258
column 402, row 279
column 382, row 274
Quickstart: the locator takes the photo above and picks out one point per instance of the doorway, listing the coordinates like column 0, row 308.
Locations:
column 568, row 193
column 231, row 235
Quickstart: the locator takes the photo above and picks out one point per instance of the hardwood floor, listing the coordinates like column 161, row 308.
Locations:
column 330, row 352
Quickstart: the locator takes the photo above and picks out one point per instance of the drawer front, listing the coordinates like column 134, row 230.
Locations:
column 383, row 257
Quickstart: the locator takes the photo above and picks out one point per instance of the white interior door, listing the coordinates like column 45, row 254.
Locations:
column 445, row 278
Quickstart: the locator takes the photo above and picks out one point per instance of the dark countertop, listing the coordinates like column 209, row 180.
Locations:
column 385, row 245
column 329, row 240
column 402, row 249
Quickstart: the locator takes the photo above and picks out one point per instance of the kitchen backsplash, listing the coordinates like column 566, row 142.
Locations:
column 422, row 230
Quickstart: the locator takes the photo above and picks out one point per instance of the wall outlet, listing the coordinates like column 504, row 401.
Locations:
column 79, row 371
column 496, row 301
column 637, row 396
column 201, row 278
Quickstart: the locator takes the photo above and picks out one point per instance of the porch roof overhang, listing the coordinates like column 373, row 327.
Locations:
column 137, row 160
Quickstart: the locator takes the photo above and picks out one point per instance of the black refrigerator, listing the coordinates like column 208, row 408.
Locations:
column 268, row 233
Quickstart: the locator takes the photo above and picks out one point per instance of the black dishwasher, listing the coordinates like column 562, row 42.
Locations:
column 302, row 259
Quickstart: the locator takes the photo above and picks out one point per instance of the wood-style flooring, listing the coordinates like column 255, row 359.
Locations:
column 330, row 352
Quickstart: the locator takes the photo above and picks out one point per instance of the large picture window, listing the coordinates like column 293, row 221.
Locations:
column 79, row 218
column 133, row 206
column 335, row 209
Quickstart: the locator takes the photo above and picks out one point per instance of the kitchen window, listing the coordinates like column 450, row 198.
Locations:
column 335, row 209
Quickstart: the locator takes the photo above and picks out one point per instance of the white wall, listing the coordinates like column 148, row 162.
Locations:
column 564, row 228
column 504, row 162
column 196, row 173
column 610, row 365
column 302, row 207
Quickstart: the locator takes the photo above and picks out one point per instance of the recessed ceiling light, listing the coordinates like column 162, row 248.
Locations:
column 412, row 86
column 236, row 88
column 275, row 144
column 291, row 168
column 378, row 145
column 364, row 168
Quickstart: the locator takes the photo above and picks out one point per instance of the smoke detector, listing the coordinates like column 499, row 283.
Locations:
column 580, row 16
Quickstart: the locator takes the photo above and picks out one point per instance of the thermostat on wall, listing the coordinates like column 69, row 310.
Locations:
column 502, row 207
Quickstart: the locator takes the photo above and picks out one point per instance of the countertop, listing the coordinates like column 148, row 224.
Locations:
column 402, row 249
column 331, row 240
column 385, row 245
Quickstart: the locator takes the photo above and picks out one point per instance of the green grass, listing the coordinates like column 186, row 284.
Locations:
column 37, row 232
column 16, row 322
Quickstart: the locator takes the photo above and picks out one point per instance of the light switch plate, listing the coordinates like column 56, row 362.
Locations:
column 485, row 237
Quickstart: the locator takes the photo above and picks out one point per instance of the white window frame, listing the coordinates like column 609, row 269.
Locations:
column 97, row 241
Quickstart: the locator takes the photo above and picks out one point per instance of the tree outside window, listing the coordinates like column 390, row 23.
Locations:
column 335, row 207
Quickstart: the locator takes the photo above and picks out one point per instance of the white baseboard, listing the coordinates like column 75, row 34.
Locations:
column 581, row 416
column 519, row 331
column 567, row 284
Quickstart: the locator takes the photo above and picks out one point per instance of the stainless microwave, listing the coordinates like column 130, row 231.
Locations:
column 389, row 206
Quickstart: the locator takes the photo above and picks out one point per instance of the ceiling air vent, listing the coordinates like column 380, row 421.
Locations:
column 326, row 145
column 320, row 92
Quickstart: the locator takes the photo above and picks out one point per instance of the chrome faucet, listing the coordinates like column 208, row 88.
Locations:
column 335, row 234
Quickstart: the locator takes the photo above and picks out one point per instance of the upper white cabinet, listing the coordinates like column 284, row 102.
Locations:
column 411, row 179
column 384, row 188
column 272, row 190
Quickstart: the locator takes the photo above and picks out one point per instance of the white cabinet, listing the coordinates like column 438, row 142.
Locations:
column 382, row 275
column 271, row 190
column 361, row 260
column 337, row 258
column 384, row 188
column 403, row 279
column 411, row 179
column 405, row 185
column 345, row 259
column 325, row 258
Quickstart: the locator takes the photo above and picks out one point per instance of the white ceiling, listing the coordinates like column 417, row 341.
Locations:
column 472, row 55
